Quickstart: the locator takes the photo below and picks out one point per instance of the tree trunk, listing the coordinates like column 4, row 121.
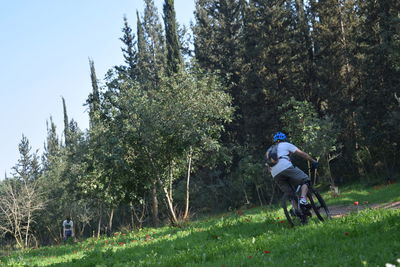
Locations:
column 186, row 214
column 99, row 224
column 110, row 222
column 173, row 217
column 258, row 194
column 328, row 165
column 139, row 218
column 82, row 229
column 155, row 204
column 170, row 182
column 27, row 231
column 245, row 195
column 273, row 193
column 132, row 214
column 27, row 227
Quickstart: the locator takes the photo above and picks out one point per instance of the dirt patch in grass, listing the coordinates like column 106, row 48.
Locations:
column 342, row 210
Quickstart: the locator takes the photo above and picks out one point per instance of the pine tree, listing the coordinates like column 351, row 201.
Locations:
column 303, row 73
column 129, row 51
column 380, row 63
column 52, row 148
column 28, row 168
column 219, row 48
column 270, row 67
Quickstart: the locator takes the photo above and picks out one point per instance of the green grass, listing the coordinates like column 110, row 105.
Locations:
column 362, row 194
column 259, row 237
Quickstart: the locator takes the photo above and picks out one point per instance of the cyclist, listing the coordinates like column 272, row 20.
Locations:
column 282, row 169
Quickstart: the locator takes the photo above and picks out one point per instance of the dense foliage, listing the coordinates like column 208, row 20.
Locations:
column 181, row 129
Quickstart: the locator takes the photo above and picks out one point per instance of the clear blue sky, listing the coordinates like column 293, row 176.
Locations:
column 44, row 50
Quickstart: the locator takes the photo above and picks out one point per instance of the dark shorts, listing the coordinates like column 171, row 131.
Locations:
column 291, row 175
column 68, row 233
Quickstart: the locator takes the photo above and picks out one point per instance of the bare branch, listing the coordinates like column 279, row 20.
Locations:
column 19, row 202
column 397, row 98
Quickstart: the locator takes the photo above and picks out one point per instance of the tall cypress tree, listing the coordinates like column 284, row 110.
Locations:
column 94, row 97
column 143, row 57
column 174, row 57
column 66, row 124
column 155, row 43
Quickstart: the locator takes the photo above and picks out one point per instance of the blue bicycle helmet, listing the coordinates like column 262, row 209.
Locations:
column 279, row 136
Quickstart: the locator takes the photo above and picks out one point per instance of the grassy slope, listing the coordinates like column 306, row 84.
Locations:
column 259, row 237
column 375, row 194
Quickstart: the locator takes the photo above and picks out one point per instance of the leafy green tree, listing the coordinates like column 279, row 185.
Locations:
column 317, row 136
column 185, row 112
column 151, row 59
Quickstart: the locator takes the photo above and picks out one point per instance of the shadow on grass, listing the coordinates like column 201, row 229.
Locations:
column 217, row 238
column 343, row 242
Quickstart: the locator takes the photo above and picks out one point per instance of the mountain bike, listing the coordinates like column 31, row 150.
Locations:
column 297, row 214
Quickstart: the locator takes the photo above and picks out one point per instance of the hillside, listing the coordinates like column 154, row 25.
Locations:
column 369, row 235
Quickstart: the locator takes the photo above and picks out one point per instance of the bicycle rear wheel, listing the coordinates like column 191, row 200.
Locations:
column 294, row 216
column 318, row 205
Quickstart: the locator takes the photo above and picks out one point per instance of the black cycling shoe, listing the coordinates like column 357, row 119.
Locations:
column 305, row 206
column 296, row 212
column 303, row 220
column 307, row 212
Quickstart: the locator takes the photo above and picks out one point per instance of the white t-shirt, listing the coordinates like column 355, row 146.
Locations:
column 68, row 225
column 284, row 149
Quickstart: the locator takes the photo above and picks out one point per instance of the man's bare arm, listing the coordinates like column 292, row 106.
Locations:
column 304, row 155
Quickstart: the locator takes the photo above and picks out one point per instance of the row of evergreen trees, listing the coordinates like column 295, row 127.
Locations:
column 181, row 127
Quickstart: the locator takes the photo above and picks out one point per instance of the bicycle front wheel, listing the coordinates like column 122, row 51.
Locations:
column 318, row 205
column 294, row 216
